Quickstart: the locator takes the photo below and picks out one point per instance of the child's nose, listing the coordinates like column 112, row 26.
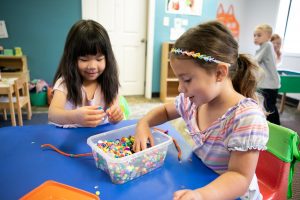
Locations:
column 92, row 64
column 180, row 88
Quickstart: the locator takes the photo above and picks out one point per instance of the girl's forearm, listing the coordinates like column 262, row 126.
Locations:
column 230, row 185
column 155, row 117
column 61, row 116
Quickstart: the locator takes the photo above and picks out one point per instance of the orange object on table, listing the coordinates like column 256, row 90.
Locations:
column 56, row 191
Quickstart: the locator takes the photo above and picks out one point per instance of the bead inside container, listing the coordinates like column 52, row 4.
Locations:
column 132, row 166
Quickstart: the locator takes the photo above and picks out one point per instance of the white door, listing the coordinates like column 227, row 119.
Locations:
column 125, row 21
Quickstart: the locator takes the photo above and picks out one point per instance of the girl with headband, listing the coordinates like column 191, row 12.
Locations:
column 218, row 103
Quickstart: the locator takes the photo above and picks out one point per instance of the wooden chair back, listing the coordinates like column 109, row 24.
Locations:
column 22, row 95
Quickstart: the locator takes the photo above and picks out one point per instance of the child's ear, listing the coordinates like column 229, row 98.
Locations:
column 222, row 72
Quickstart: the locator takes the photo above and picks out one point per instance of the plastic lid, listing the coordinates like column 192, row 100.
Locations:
column 57, row 191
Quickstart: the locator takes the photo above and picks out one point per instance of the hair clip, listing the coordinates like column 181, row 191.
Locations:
column 197, row 55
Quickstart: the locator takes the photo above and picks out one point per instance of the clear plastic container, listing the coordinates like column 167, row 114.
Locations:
column 129, row 167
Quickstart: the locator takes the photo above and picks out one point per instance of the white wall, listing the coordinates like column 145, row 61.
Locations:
column 250, row 14
column 239, row 12
column 291, row 62
column 255, row 12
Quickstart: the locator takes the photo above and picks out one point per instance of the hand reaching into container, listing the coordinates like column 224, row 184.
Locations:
column 142, row 136
column 155, row 117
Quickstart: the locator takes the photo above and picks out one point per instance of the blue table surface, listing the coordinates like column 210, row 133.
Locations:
column 25, row 165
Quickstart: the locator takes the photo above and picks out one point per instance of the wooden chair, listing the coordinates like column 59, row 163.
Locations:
column 275, row 167
column 20, row 99
column 7, row 91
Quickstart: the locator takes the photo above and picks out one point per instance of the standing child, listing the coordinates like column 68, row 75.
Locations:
column 86, row 82
column 270, row 83
column 217, row 102
column 276, row 41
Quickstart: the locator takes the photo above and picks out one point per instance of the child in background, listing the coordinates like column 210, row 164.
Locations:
column 270, row 83
column 86, row 82
column 217, row 101
column 276, row 40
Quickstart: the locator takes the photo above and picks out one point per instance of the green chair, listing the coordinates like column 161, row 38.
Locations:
column 275, row 168
column 124, row 106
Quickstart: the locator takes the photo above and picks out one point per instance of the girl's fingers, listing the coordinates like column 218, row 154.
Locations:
column 143, row 145
column 115, row 114
column 187, row 195
column 136, row 146
column 95, row 117
column 133, row 146
column 151, row 140
column 93, row 124
column 110, row 111
column 178, row 194
column 91, row 107
column 94, row 112
column 113, row 110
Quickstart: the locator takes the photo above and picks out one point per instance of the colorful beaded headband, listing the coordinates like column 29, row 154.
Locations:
column 196, row 55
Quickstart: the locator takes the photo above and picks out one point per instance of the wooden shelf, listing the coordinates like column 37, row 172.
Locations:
column 17, row 64
column 168, row 81
column 172, row 79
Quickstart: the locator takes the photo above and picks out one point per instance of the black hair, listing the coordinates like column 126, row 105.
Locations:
column 87, row 37
column 215, row 40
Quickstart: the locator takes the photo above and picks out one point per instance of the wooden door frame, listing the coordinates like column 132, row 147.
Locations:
column 150, row 18
column 150, row 48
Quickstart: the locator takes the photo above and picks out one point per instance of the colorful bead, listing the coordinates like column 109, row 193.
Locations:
column 133, row 167
column 118, row 148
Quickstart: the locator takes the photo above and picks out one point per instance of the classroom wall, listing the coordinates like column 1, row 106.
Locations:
column 256, row 12
column 239, row 14
column 40, row 29
column 291, row 62
column 162, row 33
column 266, row 12
column 249, row 15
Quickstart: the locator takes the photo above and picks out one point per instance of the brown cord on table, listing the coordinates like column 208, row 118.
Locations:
column 90, row 154
column 66, row 154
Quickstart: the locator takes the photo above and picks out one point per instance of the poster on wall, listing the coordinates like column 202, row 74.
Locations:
column 185, row 7
column 3, row 31
column 228, row 19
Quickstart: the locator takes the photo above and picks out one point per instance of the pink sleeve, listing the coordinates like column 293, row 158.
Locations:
column 60, row 86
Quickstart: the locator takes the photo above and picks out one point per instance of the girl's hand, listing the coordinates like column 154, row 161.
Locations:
column 142, row 136
column 187, row 195
column 89, row 116
column 115, row 114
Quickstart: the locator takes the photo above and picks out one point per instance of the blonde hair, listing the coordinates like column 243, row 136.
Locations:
column 266, row 28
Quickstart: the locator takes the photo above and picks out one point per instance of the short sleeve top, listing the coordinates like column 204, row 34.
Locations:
column 241, row 128
column 97, row 100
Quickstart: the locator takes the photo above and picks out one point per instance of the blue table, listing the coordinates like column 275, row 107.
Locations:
column 24, row 165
